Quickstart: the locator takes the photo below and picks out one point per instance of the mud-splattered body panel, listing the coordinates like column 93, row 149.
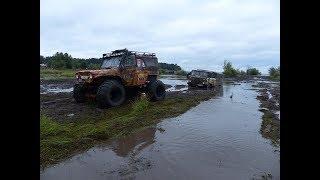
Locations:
column 136, row 74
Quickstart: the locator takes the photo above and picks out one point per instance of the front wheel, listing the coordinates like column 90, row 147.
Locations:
column 110, row 93
column 156, row 90
column 79, row 93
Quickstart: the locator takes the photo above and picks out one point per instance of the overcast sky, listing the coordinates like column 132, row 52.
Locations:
column 195, row 34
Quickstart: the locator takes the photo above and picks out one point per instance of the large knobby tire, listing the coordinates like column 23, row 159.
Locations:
column 190, row 84
column 110, row 93
column 79, row 93
column 156, row 90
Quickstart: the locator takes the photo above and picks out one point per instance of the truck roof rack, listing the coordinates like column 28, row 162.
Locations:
column 142, row 53
column 117, row 52
column 124, row 51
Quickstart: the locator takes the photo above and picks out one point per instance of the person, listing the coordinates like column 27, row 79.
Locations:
column 140, row 63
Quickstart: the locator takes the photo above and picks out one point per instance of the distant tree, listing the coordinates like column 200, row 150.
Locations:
column 56, row 61
column 181, row 73
column 67, row 60
column 75, row 64
column 41, row 59
column 94, row 66
column 253, row 71
column 228, row 70
column 162, row 71
column 274, row 73
column 84, row 64
column 242, row 73
column 61, row 60
column 171, row 67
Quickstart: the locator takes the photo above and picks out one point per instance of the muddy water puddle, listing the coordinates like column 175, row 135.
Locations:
column 175, row 83
column 56, row 88
column 48, row 89
column 218, row 139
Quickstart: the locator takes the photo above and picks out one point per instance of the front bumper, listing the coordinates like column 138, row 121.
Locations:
column 84, row 80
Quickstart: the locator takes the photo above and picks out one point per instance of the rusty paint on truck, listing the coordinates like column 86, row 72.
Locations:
column 130, row 76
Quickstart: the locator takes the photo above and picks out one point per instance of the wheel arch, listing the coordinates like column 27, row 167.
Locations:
column 99, row 80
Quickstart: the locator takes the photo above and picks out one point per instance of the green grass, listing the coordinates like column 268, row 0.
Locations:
column 60, row 140
column 274, row 78
column 57, row 73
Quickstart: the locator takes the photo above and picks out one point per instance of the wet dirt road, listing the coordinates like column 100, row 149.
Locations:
column 218, row 139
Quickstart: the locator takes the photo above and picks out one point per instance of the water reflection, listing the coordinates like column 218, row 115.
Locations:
column 135, row 142
column 227, row 89
column 219, row 90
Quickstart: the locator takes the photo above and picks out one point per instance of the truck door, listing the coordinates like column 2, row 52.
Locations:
column 129, row 67
column 141, row 73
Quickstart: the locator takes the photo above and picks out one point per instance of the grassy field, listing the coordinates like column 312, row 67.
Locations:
column 49, row 74
column 60, row 140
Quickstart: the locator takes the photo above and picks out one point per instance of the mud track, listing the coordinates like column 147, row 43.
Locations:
column 269, row 97
column 62, row 106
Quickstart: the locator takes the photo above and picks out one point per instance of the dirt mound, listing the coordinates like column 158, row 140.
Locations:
column 269, row 97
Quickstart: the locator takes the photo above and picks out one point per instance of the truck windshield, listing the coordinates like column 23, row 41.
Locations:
column 112, row 62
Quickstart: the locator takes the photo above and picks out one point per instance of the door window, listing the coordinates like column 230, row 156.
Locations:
column 129, row 61
column 140, row 63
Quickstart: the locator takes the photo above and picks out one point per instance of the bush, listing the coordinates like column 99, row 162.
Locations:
column 161, row 71
column 228, row 70
column 41, row 59
column 181, row 73
column 253, row 72
column 242, row 73
column 274, row 73
column 60, row 61
column 171, row 67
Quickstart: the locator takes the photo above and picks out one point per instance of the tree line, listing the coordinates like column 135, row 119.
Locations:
column 65, row 61
column 230, row 71
column 171, row 67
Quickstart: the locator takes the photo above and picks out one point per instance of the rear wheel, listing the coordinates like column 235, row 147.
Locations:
column 110, row 93
column 156, row 90
column 79, row 93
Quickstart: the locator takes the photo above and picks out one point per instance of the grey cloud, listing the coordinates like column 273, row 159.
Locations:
column 191, row 33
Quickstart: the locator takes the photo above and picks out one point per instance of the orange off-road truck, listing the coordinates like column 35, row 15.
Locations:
column 121, row 72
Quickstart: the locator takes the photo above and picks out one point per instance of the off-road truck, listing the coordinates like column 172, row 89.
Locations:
column 204, row 78
column 121, row 72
